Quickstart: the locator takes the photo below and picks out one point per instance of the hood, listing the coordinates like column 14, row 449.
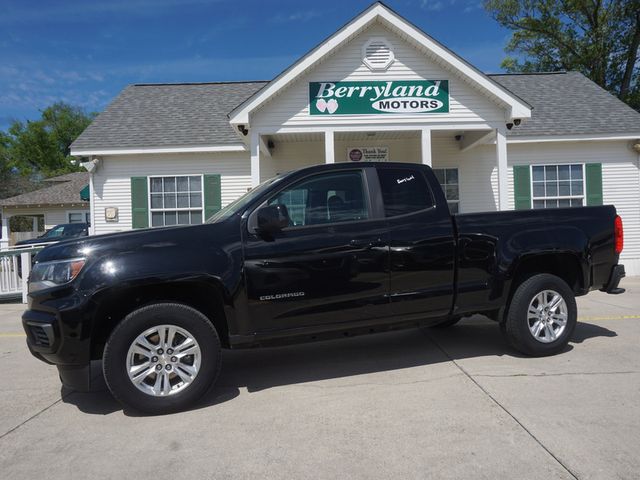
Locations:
column 191, row 236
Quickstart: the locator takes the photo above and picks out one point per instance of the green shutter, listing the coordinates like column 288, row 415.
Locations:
column 139, row 203
column 212, row 195
column 522, row 187
column 593, row 183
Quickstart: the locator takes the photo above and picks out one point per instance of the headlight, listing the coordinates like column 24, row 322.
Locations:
column 52, row 274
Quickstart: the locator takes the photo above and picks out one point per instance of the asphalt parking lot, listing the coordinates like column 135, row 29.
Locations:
column 454, row 403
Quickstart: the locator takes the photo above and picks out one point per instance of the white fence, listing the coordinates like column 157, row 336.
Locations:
column 15, row 265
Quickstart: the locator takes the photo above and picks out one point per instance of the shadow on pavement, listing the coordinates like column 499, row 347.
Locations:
column 265, row 368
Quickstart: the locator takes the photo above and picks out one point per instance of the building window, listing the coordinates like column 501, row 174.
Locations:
column 175, row 200
column 78, row 217
column 557, row 186
column 448, row 180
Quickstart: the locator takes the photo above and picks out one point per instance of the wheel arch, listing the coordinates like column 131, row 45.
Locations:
column 566, row 265
column 206, row 296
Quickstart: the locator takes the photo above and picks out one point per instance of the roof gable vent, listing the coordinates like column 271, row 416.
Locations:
column 377, row 54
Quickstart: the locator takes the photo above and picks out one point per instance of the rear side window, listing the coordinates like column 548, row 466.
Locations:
column 404, row 191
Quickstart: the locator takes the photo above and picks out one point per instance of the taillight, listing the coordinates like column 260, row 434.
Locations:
column 618, row 234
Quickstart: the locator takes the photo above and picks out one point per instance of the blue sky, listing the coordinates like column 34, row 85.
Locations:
column 85, row 51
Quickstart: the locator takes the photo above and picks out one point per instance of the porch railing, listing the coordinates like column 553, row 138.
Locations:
column 15, row 266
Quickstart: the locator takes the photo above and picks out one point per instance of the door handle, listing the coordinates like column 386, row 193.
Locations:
column 365, row 244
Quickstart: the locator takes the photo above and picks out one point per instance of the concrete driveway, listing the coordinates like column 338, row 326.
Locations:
column 454, row 403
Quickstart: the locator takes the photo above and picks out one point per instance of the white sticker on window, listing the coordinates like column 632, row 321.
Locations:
column 405, row 179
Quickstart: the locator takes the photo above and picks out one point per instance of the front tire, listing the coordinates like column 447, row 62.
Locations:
column 542, row 316
column 162, row 358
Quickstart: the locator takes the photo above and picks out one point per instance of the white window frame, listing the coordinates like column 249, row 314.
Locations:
column 583, row 197
column 151, row 210
column 444, row 190
column 85, row 213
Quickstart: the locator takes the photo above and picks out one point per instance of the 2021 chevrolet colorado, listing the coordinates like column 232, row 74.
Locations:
column 325, row 251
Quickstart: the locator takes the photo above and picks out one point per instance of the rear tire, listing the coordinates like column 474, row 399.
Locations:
column 162, row 358
column 542, row 316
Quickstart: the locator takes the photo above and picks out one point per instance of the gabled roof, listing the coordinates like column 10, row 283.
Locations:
column 379, row 12
column 568, row 103
column 563, row 104
column 167, row 115
column 58, row 192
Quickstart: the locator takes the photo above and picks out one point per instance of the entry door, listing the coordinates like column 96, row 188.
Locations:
column 330, row 266
column 421, row 244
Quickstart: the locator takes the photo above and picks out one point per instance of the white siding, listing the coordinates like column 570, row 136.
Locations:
column 477, row 173
column 291, row 106
column 112, row 181
column 620, row 178
column 55, row 217
column 289, row 156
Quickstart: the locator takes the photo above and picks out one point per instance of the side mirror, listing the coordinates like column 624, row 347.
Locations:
column 272, row 219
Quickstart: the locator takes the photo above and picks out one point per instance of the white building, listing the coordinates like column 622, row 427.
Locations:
column 382, row 89
column 61, row 200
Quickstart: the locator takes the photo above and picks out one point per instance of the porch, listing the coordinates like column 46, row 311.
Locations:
column 471, row 163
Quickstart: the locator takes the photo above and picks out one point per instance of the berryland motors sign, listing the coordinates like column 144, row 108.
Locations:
column 380, row 97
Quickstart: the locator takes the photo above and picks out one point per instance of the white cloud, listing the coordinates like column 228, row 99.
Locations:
column 79, row 10
column 299, row 17
column 433, row 5
column 467, row 6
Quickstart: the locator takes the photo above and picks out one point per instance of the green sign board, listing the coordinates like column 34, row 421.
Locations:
column 380, row 97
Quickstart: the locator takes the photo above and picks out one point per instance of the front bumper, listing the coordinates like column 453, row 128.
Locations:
column 58, row 333
column 617, row 274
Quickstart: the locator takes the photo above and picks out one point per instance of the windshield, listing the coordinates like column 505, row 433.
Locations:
column 238, row 206
column 54, row 232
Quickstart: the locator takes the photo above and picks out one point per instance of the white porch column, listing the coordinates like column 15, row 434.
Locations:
column 425, row 146
column 255, row 158
column 4, row 241
column 329, row 147
column 92, row 213
column 501, row 155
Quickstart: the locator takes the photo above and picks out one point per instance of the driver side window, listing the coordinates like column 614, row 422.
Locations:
column 327, row 198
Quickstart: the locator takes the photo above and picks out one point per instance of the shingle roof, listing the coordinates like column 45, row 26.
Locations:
column 58, row 193
column 569, row 104
column 168, row 115
column 186, row 115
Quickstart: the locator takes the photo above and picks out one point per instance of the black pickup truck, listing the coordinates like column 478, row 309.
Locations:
column 326, row 251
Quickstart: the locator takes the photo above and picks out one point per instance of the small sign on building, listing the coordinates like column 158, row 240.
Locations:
column 111, row 214
column 368, row 154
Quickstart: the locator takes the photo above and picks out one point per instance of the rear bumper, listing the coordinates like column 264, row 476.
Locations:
column 617, row 274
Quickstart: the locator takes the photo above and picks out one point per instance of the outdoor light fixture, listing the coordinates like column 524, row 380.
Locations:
column 458, row 137
column 271, row 145
column 516, row 121
column 636, row 146
column 91, row 165
column 243, row 130
column 509, row 126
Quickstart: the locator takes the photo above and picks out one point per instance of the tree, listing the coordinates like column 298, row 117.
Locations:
column 12, row 182
column 41, row 147
column 599, row 38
